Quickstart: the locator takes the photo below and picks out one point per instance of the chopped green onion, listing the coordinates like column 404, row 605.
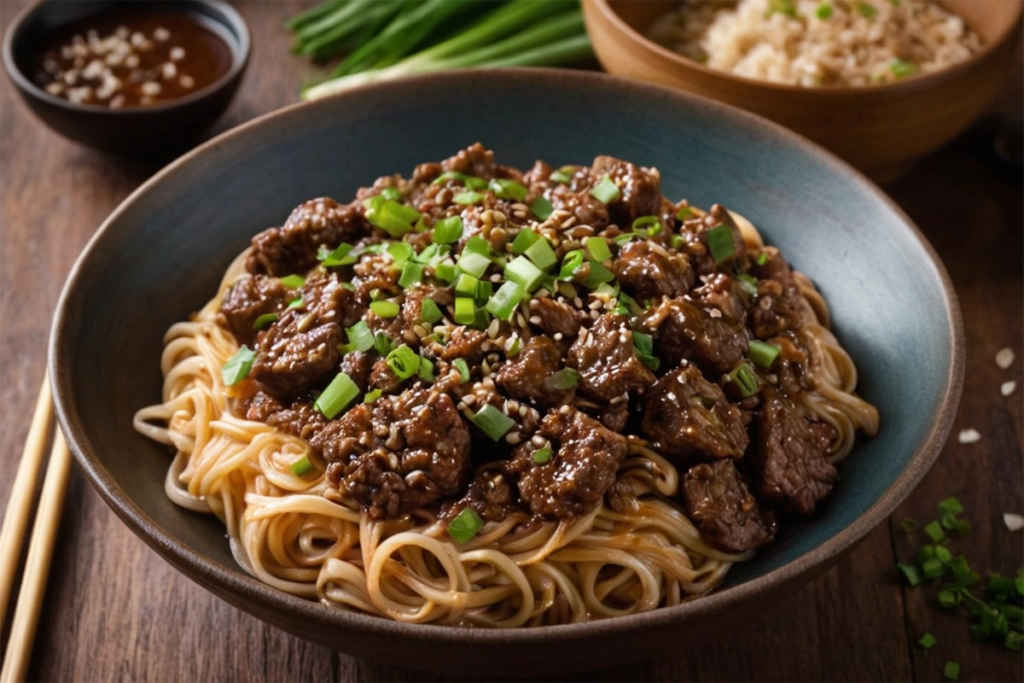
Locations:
column 478, row 245
column 493, row 422
column 237, row 367
column 400, row 252
column 338, row 395
column 542, row 456
column 927, row 641
column 392, row 217
column 597, row 276
column 426, row 372
column 824, row 11
column 301, row 467
column 429, row 311
column 294, row 303
column 293, row 281
column 541, row 208
column 448, row 230
column 507, row 189
column 748, row 283
column 931, row 568
column 943, row 555
column 541, row 253
column 264, row 320
column 571, row 262
column 606, row 191
column 472, row 182
column 952, row 670
column 720, row 243
column 342, row 256
column 432, row 255
column 484, row 289
column 647, row 225
column 465, row 311
column 360, row 338
column 467, row 198
column 465, row 526
column 924, row 553
column 902, row 69
column 785, row 7
column 473, row 263
column 412, row 274
column 505, row 300
column 566, row 378
column 372, row 396
column 514, row 350
column 562, row 175
column 684, row 213
column 385, row 309
column 381, row 344
column 999, row 587
column 643, row 347
column 524, row 240
column 390, row 193
column 866, row 10
column 404, row 362
column 934, row 531
column 745, row 380
column 1013, row 641
column 523, row 271
column 463, row 367
column 763, row 354
column 950, row 506
column 445, row 271
column 598, row 249
column 762, row 258
column 466, row 285
column 910, row 574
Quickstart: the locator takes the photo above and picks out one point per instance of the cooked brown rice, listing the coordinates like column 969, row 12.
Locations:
column 818, row 42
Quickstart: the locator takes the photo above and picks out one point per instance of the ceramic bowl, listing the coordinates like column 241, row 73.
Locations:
column 162, row 128
column 161, row 254
column 881, row 129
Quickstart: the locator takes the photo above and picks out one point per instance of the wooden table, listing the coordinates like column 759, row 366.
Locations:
column 116, row 610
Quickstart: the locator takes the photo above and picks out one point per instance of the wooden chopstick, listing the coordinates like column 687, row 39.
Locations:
column 40, row 549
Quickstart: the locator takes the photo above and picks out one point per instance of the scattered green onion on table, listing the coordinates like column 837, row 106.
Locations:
column 388, row 39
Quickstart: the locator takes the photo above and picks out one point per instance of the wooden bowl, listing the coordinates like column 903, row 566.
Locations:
column 882, row 130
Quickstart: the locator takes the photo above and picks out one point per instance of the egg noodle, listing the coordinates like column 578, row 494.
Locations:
column 296, row 534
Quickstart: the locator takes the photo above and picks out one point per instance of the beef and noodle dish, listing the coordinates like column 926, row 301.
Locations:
column 485, row 397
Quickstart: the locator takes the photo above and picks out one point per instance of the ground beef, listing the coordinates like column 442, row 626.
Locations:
column 790, row 456
column 718, row 501
column 685, row 416
column 647, row 271
column 491, row 496
column 292, row 358
column 400, row 453
column 300, row 419
column 292, row 248
column 465, row 343
column 527, row 377
column 585, row 458
column 555, row 317
column 249, row 298
column 684, row 331
column 605, row 359
column 324, row 296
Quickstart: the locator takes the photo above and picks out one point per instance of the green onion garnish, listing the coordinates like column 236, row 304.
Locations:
column 372, row 396
column 390, row 193
column 301, row 467
column 507, row 189
column 392, row 217
column 465, row 311
column 473, row 263
column 932, row 569
column 951, row 671
column 541, row 208
column 516, row 345
column 824, row 11
column 432, row 255
column 466, row 285
column 720, row 243
column 469, row 181
column 463, row 367
column 385, row 309
column 562, row 175
column 902, row 69
column 521, row 270
column 606, row 191
column 381, row 344
column 745, row 380
column 762, row 258
column 465, row 526
column 338, row 395
column 571, row 262
column 943, row 555
column 598, row 249
column 524, row 240
column 748, row 283
column 412, row 274
column 400, row 252
column 360, row 338
column 950, row 506
column 643, row 347
column 237, row 367
column 684, row 213
column 293, row 281
column 542, row 456
column 468, row 197
column 597, row 276
column 566, row 378
column 867, row 11
column 927, row 641
column 782, row 7
column 429, row 311
column 448, row 230
column 541, row 253
column 445, row 271
column 505, row 300
column 264, row 320
column 342, row 256
column 426, row 371
column 934, row 531
column 294, row 303
column 484, row 289
column 910, row 574
column 493, row 422
column 404, row 362
column 763, row 354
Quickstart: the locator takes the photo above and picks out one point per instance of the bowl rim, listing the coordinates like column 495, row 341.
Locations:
column 922, row 81
column 234, row 581
column 239, row 60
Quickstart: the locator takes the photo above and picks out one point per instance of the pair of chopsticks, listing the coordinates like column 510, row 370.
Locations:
column 44, row 533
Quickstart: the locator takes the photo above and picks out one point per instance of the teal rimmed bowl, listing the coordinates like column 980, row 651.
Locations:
column 161, row 254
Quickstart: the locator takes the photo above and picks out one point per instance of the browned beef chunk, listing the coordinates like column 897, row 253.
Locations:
column 695, row 239
column 641, row 189
column 358, row 365
column 719, row 503
column 491, row 496
column 776, row 309
column 291, row 359
column 324, row 296
column 300, row 419
column 556, row 317
column 465, row 343
column 401, row 453
column 260, row 406
column 475, row 160
column 648, row 271
column 790, row 455
column 615, row 417
column 604, row 357
column 575, row 198
column 292, row 248
column 585, row 460
column 687, row 332
column 248, row 299
column 686, row 416
column 381, row 377
column 721, row 292
column 372, row 273
column 527, row 377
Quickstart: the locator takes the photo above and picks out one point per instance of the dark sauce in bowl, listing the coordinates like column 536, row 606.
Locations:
column 130, row 57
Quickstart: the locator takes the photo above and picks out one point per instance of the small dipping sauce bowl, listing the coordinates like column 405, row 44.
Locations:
column 130, row 77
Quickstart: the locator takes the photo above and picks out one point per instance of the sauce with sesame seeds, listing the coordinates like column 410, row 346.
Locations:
column 131, row 58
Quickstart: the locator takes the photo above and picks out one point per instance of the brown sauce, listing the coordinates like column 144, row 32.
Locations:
column 131, row 58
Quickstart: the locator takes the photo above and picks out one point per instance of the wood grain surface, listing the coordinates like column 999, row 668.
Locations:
column 115, row 610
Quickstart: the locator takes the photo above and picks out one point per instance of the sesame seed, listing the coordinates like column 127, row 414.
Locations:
column 186, row 81
column 1004, row 359
column 177, row 54
column 161, row 34
column 564, row 410
column 595, row 305
column 513, row 438
column 523, row 411
column 715, row 313
column 969, row 436
column 492, row 329
column 537, row 440
column 469, row 399
column 558, row 336
column 150, row 88
column 1006, row 388
column 535, row 319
